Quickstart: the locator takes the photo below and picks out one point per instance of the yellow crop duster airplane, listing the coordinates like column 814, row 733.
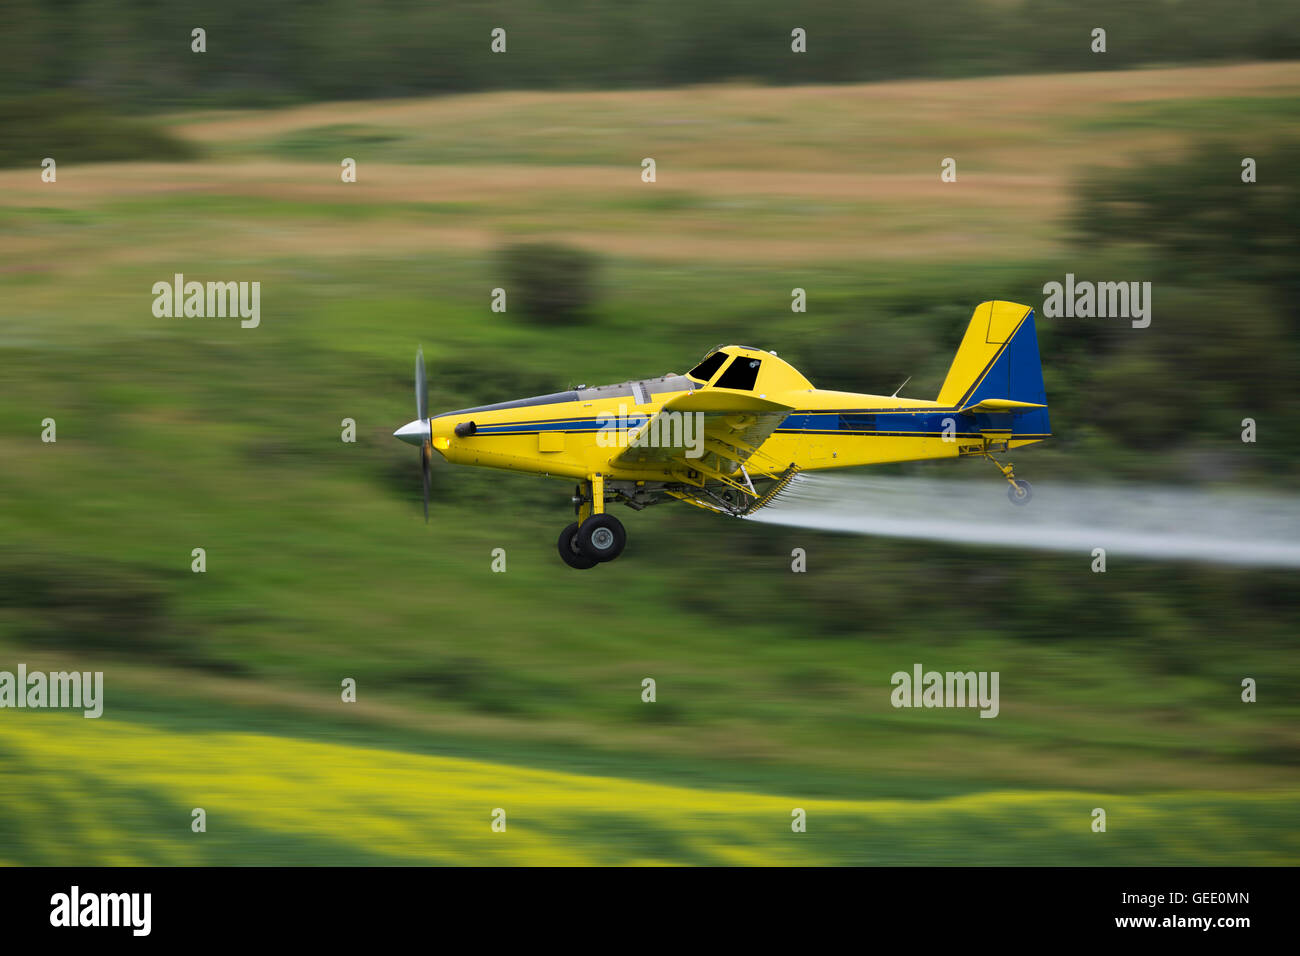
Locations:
column 733, row 432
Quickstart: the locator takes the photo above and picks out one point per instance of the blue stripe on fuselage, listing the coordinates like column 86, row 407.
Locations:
column 568, row 425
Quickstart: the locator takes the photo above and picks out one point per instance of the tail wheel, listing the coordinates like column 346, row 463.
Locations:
column 1020, row 492
column 601, row 538
column 567, row 546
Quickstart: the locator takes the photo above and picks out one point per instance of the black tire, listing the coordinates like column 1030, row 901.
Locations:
column 601, row 538
column 569, row 551
column 1021, row 492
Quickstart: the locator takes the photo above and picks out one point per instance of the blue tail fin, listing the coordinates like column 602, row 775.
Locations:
column 997, row 375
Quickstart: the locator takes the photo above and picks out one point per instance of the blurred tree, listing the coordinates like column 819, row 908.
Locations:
column 138, row 51
column 1202, row 222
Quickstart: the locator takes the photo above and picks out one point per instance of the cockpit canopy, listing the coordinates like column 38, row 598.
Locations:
column 747, row 370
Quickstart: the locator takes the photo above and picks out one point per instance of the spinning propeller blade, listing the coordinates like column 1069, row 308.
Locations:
column 417, row 432
column 422, row 413
column 421, row 387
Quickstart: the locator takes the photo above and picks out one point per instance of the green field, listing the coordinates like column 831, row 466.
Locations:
column 522, row 690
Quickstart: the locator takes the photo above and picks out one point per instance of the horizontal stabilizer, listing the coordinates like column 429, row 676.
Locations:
column 991, row 405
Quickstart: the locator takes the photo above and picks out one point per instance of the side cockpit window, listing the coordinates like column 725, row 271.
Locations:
column 742, row 374
column 705, row 370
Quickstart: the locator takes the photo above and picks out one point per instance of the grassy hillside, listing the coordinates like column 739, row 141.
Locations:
column 478, row 689
column 799, row 177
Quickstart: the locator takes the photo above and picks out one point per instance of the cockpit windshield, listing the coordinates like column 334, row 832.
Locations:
column 706, row 369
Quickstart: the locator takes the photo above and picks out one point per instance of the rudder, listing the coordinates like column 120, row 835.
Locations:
column 998, row 360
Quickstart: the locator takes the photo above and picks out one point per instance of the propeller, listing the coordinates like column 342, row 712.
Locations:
column 421, row 386
column 417, row 432
column 422, row 413
column 426, row 453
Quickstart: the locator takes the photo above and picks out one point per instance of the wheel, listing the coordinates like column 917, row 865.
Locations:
column 567, row 546
column 1020, row 492
column 601, row 538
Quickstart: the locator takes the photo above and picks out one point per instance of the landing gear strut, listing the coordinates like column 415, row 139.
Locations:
column 1020, row 491
column 596, row 537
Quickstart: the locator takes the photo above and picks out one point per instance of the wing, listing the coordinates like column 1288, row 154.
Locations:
column 734, row 426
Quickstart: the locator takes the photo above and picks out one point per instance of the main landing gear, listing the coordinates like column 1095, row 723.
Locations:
column 1020, row 491
column 596, row 537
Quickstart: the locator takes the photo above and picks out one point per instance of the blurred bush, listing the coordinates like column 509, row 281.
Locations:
column 56, row 603
column 73, row 127
column 548, row 281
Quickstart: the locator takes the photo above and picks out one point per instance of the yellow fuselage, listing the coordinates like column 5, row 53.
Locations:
column 576, row 435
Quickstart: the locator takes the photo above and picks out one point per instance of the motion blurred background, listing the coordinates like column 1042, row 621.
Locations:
column 521, row 170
